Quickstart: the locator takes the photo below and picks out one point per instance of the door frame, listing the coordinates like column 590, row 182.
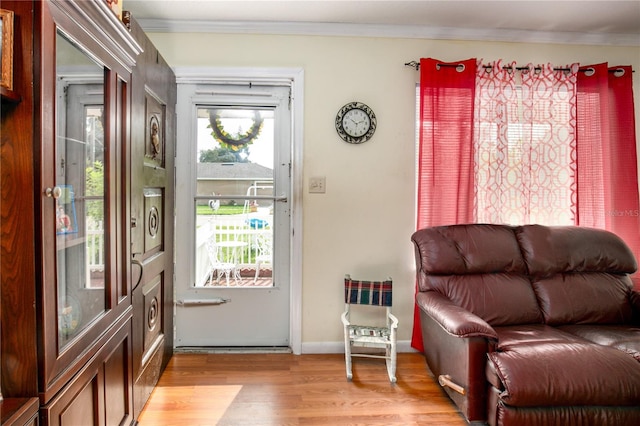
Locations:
column 294, row 78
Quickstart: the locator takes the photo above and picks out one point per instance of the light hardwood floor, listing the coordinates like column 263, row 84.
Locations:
column 283, row 389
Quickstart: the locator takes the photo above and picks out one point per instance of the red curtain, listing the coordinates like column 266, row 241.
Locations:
column 607, row 165
column 445, row 159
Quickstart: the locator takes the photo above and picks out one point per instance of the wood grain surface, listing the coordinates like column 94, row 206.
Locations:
column 284, row 389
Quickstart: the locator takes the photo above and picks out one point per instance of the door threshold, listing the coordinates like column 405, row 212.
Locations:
column 233, row 349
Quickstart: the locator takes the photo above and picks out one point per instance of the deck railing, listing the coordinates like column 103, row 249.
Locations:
column 95, row 245
column 242, row 229
column 236, row 228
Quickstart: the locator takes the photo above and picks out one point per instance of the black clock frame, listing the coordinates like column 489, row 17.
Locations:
column 340, row 129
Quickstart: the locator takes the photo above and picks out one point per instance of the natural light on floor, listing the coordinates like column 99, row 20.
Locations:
column 194, row 401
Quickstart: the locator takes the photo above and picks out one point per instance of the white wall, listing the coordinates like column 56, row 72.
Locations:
column 363, row 223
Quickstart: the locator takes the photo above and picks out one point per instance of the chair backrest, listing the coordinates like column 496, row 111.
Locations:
column 264, row 243
column 375, row 293
column 213, row 251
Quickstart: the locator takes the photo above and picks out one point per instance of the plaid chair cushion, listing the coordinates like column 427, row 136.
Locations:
column 377, row 293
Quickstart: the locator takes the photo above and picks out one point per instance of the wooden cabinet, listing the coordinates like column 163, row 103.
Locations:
column 100, row 393
column 86, row 68
column 69, row 324
column 19, row 412
column 66, row 317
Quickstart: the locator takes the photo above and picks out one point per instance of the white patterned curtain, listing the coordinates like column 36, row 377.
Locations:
column 524, row 143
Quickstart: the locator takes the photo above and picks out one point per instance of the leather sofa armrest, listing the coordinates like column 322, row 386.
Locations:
column 452, row 318
column 456, row 343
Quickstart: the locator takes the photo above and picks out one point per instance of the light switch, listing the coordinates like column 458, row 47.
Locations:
column 317, row 185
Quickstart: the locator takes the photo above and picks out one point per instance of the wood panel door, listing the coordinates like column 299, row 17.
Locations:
column 151, row 224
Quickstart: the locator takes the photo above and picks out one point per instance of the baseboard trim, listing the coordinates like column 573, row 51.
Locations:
column 307, row 348
column 233, row 349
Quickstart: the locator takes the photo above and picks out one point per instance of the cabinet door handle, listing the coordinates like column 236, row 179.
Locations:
column 54, row 192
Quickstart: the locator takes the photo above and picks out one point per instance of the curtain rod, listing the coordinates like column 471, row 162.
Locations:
column 416, row 65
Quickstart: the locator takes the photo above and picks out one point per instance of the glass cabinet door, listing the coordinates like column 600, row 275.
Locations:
column 79, row 191
column 84, row 62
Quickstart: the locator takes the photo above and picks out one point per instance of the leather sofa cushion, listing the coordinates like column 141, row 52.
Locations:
column 479, row 268
column 624, row 338
column 467, row 249
column 501, row 414
column 566, row 374
column 578, row 274
column 584, row 298
column 511, row 337
column 549, row 250
column 491, row 297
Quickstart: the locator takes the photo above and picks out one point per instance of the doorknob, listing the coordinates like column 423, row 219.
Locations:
column 54, row 192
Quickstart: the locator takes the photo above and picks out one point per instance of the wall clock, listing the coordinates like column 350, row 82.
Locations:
column 356, row 122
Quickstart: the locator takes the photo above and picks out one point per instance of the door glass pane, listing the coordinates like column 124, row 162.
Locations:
column 234, row 196
column 80, row 177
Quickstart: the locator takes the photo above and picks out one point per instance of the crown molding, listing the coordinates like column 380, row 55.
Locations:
column 387, row 31
column 237, row 75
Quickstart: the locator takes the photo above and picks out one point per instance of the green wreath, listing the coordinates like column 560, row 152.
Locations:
column 240, row 140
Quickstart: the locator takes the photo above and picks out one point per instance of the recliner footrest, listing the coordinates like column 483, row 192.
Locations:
column 566, row 374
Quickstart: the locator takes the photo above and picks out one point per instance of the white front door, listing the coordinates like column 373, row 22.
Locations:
column 233, row 207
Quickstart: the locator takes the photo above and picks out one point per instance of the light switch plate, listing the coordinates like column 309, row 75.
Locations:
column 317, row 185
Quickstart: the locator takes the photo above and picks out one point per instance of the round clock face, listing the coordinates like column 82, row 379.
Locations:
column 355, row 122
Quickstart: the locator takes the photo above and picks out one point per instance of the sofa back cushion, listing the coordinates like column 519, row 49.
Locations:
column 480, row 268
column 579, row 275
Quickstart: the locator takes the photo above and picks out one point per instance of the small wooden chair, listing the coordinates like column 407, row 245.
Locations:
column 373, row 293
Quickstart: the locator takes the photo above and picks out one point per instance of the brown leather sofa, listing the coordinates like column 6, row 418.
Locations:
column 531, row 325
